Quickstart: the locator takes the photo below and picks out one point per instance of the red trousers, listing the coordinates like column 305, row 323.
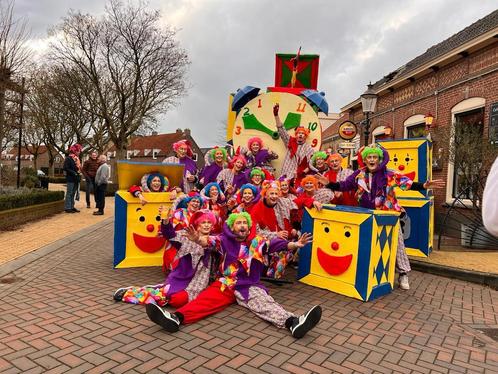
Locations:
column 210, row 301
column 178, row 299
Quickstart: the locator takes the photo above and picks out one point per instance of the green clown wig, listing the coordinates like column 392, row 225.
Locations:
column 233, row 217
column 257, row 171
column 319, row 154
column 372, row 151
column 213, row 151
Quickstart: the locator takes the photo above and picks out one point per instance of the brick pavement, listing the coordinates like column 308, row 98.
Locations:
column 59, row 316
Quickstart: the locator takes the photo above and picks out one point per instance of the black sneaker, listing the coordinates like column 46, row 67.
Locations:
column 88, row 206
column 306, row 322
column 168, row 321
column 118, row 295
column 75, row 210
column 69, row 211
column 97, row 213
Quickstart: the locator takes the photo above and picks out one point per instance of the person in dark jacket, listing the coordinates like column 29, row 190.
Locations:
column 72, row 170
column 89, row 170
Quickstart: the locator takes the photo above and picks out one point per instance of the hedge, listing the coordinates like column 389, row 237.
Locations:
column 13, row 201
column 57, row 179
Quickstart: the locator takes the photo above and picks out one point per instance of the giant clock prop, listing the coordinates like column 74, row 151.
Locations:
column 256, row 119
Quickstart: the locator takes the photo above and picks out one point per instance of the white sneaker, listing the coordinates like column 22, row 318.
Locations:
column 403, row 282
column 166, row 320
column 306, row 322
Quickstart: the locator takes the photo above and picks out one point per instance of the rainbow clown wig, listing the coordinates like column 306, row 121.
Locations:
column 316, row 155
column 375, row 150
column 234, row 216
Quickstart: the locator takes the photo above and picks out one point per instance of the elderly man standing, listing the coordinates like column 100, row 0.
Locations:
column 101, row 177
column 89, row 170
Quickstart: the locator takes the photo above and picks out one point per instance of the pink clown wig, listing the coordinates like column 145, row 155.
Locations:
column 185, row 143
column 255, row 139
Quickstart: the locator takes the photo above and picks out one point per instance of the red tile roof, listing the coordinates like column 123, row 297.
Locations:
column 163, row 142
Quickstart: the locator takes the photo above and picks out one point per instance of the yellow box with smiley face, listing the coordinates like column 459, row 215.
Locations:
column 353, row 252
column 136, row 226
column 412, row 157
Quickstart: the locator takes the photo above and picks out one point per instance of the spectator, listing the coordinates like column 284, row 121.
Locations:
column 72, row 170
column 101, row 177
column 89, row 170
column 490, row 201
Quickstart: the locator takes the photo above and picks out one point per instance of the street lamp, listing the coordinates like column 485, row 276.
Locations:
column 429, row 119
column 368, row 104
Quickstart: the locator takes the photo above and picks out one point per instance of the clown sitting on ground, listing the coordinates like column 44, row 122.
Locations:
column 189, row 276
column 256, row 155
column 216, row 161
column 374, row 189
column 242, row 259
column 153, row 182
column 184, row 156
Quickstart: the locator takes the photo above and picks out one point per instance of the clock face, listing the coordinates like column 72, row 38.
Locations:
column 256, row 119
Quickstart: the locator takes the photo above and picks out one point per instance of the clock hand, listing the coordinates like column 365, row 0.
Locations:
column 292, row 120
column 252, row 123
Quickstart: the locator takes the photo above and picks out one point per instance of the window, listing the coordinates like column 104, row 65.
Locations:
column 414, row 126
column 57, row 159
column 463, row 169
column 194, row 156
column 468, row 126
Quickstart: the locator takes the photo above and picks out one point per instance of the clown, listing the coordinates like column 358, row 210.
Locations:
column 318, row 163
column 183, row 156
column 215, row 202
column 246, row 198
column 242, row 259
column 285, row 188
column 299, row 153
column 374, row 189
column 256, row 155
column 183, row 210
column 152, row 182
column 311, row 197
column 190, row 274
column 337, row 174
column 216, row 161
column 256, row 177
column 231, row 179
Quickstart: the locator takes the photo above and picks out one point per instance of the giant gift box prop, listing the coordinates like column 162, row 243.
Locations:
column 135, row 226
column 353, row 252
column 412, row 157
column 421, row 225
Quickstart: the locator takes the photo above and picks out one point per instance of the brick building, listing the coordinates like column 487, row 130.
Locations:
column 455, row 80
column 32, row 158
column 155, row 148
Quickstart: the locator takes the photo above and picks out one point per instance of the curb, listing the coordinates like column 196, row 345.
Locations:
column 479, row 277
column 16, row 264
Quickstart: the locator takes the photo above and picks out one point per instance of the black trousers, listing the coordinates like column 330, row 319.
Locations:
column 100, row 196
column 90, row 187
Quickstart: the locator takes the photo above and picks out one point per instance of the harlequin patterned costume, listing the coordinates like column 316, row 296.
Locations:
column 190, row 274
column 297, row 155
column 239, row 281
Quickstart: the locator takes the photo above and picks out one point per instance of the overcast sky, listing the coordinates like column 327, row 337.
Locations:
column 232, row 43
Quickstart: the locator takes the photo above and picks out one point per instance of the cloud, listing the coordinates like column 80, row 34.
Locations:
column 232, row 43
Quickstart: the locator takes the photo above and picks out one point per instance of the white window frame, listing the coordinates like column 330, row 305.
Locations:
column 462, row 107
column 415, row 120
column 155, row 152
column 379, row 130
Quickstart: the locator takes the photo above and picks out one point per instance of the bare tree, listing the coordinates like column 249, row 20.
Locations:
column 13, row 56
column 136, row 69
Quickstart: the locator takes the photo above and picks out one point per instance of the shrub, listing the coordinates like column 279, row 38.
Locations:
column 17, row 198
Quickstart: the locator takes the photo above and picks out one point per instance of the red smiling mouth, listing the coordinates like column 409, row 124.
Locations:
column 334, row 265
column 148, row 244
